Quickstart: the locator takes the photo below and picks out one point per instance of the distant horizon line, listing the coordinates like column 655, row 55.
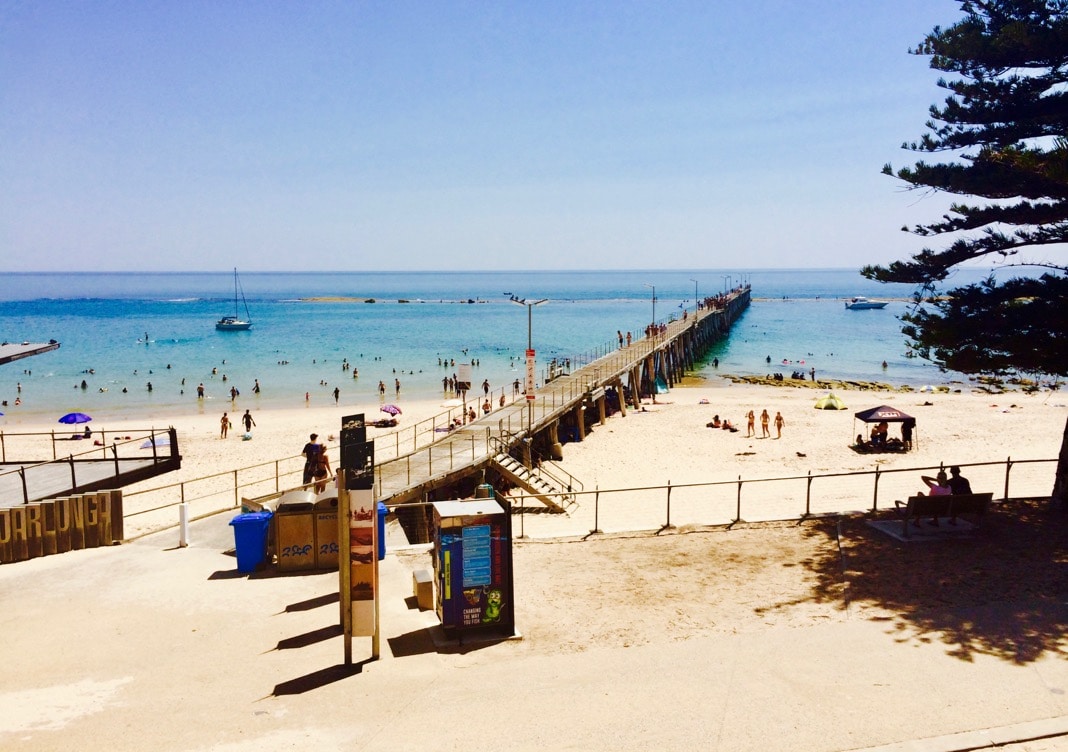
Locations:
column 305, row 272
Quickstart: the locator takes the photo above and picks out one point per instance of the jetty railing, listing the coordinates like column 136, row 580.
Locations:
column 709, row 503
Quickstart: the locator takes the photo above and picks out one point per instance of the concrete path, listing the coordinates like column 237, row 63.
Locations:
column 147, row 646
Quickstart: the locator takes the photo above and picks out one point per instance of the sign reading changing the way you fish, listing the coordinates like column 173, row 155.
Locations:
column 358, row 571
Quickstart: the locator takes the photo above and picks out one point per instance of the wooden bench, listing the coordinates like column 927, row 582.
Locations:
column 953, row 506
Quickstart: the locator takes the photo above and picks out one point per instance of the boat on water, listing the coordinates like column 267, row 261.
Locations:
column 862, row 304
column 235, row 323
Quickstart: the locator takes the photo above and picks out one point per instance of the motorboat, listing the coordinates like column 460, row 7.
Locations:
column 235, row 323
column 863, row 304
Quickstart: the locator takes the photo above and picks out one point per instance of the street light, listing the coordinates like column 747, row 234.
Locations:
column 646, row 284
column 530, row 356
column 696, row 306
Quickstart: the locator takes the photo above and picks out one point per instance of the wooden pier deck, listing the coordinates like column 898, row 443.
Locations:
column 112, row 466
column 565, row 406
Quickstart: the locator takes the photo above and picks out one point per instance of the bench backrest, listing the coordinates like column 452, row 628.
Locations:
column 953, row 504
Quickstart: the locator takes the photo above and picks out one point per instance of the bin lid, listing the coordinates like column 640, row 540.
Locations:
column 250, row 517
column 465, row 508
column 330, row 503
column 296, row 501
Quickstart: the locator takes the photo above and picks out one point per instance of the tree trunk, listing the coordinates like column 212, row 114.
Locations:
column 1059, row 497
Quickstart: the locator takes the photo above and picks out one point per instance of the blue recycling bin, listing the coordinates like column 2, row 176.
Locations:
column 383, row 511
column 250, row 539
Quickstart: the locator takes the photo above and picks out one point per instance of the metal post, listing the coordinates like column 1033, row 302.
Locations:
column 237, row 497
column 183, row 525
column 276, row 480
column 596, row 510
column 667, row 524
column 875, row 491
column 808, row 495
column 73, row 480
column 1008, row 467
column 738, row 503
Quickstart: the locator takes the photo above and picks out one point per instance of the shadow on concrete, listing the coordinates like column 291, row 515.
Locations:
column 310, row 638
column 318, row 679
column 999, row 592
column 313, row 603
column 417, row 642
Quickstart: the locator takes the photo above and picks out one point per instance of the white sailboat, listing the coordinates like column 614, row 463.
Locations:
column 235, row 323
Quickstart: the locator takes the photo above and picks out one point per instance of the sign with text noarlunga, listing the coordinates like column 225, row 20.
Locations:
column 358, row 530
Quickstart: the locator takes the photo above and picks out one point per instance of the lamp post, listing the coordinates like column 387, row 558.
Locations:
column 646, row 284
column 530, row 356
column 696, row 305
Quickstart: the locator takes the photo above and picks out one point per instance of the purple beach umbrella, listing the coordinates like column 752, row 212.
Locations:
column 70, row 418
column 391, row 409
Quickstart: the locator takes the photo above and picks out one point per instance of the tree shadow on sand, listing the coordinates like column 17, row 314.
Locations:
column 1001, row 592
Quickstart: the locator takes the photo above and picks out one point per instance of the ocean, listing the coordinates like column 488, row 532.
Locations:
column 120, row 332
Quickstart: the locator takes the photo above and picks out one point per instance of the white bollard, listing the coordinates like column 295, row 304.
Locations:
column 183, row 524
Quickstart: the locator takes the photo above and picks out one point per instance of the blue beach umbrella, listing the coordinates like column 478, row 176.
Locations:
column 71, row 418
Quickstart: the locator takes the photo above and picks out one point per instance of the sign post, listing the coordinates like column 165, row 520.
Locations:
column 358, row 536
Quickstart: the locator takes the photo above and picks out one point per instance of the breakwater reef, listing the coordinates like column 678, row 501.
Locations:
column 515, row 447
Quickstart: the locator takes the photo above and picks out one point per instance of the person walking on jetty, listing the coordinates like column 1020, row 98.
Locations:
column 224, row 426
column 764, row 418
column 779, row 423
column 750, row 424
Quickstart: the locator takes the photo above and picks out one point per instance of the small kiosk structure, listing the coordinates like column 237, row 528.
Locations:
column 473, row 567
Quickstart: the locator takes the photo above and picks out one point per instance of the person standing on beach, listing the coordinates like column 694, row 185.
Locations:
column 200, row 391
column 224, row 426
column 764, row 418
column 396, row 386
column 248, row 421
column 322, row 470
column 337, row 394
column 311, row 452
column 750, row 424
column 381, row 389
column 779, row 423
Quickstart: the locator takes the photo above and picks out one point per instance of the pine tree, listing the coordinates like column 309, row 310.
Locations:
column 1003, row 126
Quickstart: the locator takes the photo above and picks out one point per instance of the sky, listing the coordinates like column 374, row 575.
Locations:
column 275, row 136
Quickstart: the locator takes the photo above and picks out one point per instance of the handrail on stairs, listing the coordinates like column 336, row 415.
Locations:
column 571, row 486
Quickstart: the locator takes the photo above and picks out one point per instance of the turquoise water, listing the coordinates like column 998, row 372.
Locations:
column 298, row 346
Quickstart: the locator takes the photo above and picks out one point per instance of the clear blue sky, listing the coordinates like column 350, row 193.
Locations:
column 452, row 135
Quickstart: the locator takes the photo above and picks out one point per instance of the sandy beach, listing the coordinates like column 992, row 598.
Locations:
column 666, row 442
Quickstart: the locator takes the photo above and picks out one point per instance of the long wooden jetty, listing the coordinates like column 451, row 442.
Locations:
column 511, row 442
